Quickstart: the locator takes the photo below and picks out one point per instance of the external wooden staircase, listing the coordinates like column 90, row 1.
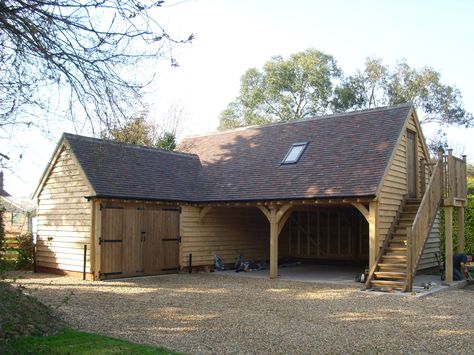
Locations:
column 398, row 257
column 391, row 269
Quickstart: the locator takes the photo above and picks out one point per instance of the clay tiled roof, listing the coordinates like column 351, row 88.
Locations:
column 346, row 156
column 135, row 172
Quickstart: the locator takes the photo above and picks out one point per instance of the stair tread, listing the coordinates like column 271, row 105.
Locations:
column 390, row 274
column 392, row 283
column 391, row 270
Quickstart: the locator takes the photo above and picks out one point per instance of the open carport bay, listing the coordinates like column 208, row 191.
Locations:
column 210, row 313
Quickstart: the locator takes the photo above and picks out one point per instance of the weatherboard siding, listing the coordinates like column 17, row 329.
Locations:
column 64, row 217
column 393, row 190
column 395, row 187
column 428, row 259
column 226, row 232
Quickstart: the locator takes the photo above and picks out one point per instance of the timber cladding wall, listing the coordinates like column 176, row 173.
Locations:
column 224, row 231
column 395, row 187
column 395, row 184
column 64, row 217
column 428, row 259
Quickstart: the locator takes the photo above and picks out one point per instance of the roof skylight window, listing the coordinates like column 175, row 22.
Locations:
column 295, row 153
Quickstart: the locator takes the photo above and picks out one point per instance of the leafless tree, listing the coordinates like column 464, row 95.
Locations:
column 87, row 52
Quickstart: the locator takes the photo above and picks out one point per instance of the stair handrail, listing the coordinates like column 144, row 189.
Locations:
column 384, row 246
column 418, row 233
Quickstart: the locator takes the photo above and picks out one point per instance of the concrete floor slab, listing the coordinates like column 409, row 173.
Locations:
column 342, row 275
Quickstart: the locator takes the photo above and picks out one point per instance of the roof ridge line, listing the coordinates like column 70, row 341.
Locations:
column 314, row 118
column 129, row 145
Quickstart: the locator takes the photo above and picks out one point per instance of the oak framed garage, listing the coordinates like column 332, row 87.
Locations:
column 358, row 186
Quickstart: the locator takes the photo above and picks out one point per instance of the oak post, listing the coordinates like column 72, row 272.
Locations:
column 442, row 181
column 409, row 279
column 373, row 232
column 464, row 178
column 273, row 243
column 461, row 237
column 448, row 227
column 422, row 177
column 451, row 175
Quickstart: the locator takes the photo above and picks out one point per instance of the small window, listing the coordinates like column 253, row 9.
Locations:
column 295, row 153
column 16, row 218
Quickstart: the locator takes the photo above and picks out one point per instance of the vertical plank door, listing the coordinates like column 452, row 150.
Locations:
column 161, row 247
column 152, row 245
column 132, row 241
column 111, row 241
column 170, row 240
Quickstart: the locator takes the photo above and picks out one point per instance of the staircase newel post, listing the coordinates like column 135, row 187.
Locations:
column 442, row 169
column 451, row 175
column 409, row 280
column 422, row 177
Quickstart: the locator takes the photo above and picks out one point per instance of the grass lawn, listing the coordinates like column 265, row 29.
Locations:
column 74, row 342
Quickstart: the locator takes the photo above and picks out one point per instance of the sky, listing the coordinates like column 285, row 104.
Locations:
column 233, row 36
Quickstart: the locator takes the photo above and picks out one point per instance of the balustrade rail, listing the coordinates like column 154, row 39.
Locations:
column 419, row 231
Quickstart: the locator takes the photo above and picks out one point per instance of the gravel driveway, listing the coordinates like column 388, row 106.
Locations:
column 218, row 314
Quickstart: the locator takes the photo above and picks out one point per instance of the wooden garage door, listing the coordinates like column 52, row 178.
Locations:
column 138, row 241
column 162, row 241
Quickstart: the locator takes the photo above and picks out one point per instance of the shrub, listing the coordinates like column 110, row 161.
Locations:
column 468, row 228
column 2, row 239
column 26, row 249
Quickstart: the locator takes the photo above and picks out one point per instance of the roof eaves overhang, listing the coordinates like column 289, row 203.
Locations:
column 296, row 200
column 48, row 168
column 134, row 198
column 62, row 144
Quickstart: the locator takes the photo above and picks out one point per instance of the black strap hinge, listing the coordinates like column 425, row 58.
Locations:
column 110, row 241
column 171, row 239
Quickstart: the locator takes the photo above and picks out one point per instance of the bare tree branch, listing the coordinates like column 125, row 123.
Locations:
column 90, row 49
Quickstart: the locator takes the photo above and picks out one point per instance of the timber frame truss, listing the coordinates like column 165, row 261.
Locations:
column 278, row 212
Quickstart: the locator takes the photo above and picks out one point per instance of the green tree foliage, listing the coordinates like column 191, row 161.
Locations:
column 379, row 85
column 135, row 131
column 309, row 83
column 468, row 228
column 139, row 131
column 26, row 249
column 2, row 237
column 470, row 179
column 166, row 141
column 299, row 87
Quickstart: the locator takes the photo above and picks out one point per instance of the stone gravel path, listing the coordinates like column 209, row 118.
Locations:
column 218, row 314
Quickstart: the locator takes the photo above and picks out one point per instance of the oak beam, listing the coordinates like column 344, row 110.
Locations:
column 203, row 211
column 362, row 209
column 284, row 218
